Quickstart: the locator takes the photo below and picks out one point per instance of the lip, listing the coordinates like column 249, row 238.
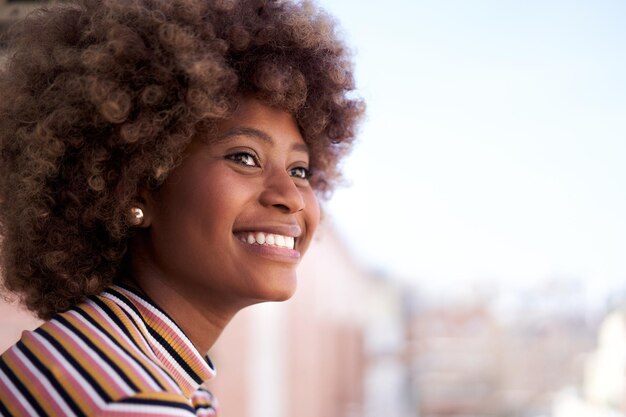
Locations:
column 276, row 253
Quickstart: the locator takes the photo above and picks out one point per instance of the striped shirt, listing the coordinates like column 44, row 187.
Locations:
column 117, row 354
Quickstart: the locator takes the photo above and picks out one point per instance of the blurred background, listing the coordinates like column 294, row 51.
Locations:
column 475, row 263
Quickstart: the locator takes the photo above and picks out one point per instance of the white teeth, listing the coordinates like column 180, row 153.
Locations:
column 269, row 239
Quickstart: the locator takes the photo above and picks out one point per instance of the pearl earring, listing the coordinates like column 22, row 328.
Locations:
column 136, row 216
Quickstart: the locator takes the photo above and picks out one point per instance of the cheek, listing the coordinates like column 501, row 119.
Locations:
column 313, row 208
column 312, row 214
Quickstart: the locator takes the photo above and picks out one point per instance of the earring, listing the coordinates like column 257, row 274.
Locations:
column 136, row 216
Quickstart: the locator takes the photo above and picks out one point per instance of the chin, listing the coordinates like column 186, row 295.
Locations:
column 282, row 292
column 285, row 295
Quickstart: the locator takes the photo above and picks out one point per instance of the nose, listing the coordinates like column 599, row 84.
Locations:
column 281, row 192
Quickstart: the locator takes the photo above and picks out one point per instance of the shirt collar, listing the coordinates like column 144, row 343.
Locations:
column 168, row 342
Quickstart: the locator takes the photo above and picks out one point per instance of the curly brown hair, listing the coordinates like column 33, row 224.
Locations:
column 101, row 97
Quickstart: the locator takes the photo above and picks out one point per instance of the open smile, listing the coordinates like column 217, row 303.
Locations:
column 267, row 239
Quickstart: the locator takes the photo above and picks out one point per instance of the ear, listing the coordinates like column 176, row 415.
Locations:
column 145, row 203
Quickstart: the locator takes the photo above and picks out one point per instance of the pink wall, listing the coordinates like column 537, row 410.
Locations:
column 13, row 320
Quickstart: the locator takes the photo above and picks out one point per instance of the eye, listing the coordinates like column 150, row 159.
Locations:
column 300, row 172
column 244, row 158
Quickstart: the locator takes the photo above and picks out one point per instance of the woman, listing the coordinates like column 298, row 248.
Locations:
column 160, row 166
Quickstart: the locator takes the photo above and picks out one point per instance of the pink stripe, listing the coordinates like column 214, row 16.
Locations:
column 131, row 361
column 42, row 395
column 148, row 411
column 10, row 398
column 101, row 372
column 74, row 387
column 142, row 335
column 118, row 305
column 174, row 340
column 182, row 344
column 96, row 337
column 180, row 378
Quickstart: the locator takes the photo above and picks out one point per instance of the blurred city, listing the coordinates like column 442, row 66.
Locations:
column 475, row 265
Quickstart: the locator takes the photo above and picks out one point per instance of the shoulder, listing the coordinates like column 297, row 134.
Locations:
column 85, row 361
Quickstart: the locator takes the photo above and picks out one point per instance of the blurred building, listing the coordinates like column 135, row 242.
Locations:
column 457, row 358
column 604, row 386
column 605, row 376
column 468, row 360
column 388, row 380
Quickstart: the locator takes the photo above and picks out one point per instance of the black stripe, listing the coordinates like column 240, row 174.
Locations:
column 148, row 300
column 160, row 403
column 117, row 320
column 175, row 355
column 123, row 299
column 204, row 407
column 51, row 378
column 75, row 364
column 109, row 312
column 22, row 389
column 130, row 318
column 156, row 334
column 98, row 351
column 133, row 356
column 3, row 409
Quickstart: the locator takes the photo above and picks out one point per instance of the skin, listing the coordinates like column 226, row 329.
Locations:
column 248, row 176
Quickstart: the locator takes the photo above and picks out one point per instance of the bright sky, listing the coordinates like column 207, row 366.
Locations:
column 495, row 143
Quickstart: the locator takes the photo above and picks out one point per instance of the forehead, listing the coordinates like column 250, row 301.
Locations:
column 253, row 118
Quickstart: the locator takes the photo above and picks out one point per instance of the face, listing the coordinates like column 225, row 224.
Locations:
column 231, row 223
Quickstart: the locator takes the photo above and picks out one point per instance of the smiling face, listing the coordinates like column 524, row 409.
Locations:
column 231, row 222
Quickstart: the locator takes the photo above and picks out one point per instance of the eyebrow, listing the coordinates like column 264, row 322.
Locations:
column 250, row 131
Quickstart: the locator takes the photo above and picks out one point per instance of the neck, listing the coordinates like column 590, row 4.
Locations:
column 199, row 316
column 201, row 324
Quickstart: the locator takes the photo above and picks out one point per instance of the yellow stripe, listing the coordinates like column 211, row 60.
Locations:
column 35, row 390
column 59, row 373
column 111, row 355
column 138, row 339
column 79, row 356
